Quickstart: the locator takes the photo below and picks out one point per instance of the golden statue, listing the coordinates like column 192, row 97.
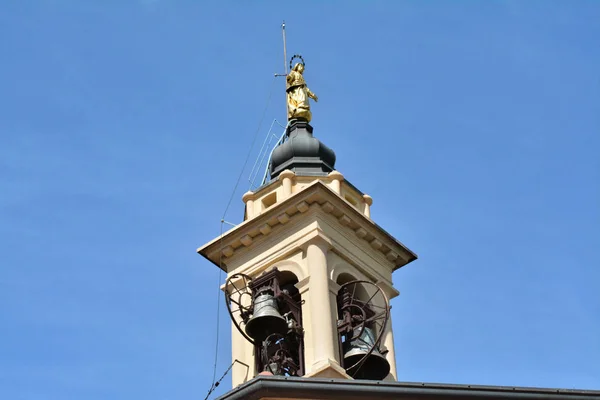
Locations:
column 298, row 94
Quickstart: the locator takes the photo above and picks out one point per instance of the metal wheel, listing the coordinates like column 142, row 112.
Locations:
column 237, row 288
column 358, row 314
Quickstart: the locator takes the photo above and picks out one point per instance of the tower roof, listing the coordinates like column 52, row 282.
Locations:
column 326, row 389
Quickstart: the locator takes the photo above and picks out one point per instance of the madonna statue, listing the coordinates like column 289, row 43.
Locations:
column 298, row 94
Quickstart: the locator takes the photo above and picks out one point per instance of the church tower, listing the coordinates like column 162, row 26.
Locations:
column 309, row 273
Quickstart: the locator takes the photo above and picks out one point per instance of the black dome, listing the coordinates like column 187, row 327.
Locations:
column 302, row 153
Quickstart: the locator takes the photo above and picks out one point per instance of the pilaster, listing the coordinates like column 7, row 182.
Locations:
column 321, row 307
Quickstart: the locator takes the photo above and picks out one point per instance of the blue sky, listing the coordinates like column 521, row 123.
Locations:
column 124, row 124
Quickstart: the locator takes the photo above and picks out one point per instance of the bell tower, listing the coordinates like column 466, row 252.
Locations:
column 309, row 273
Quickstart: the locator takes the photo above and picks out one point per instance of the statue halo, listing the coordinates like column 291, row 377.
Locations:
column 294, row 57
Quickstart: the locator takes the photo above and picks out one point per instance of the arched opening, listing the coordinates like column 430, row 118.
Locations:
column 278, row 318
column 362, row 316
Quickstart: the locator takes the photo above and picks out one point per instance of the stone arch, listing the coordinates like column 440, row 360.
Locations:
column 343, row 267
column 290, row 266
column 345, row 277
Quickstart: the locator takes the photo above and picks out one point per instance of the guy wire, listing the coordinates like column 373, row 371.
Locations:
column 217, row 383
column 223, row 220
column 250, row 149
column 218, row 309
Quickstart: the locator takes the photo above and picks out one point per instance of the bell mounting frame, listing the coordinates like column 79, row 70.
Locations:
column 355, row 315
column 275, row 351
column 286, row 350
column 234, row 299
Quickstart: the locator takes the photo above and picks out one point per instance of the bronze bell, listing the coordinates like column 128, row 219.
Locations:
column 375, row 367
column 266, row 319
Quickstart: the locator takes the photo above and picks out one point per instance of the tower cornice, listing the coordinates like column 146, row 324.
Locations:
column 318, row 198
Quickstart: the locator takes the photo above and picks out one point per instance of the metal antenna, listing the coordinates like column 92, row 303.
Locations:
column 285, row 68
column 284, row 51
column 284, row 48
